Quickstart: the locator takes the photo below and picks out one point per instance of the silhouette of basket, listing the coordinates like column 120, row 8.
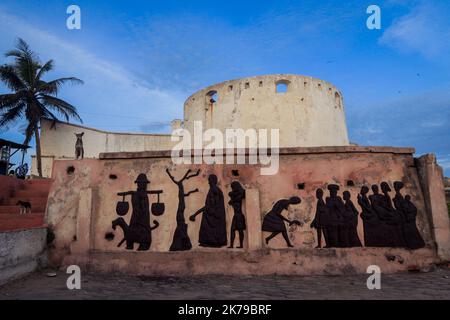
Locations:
column 122, row 207
column 158, row 208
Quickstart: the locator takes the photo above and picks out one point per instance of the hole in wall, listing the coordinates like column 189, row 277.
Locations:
column 247, row 85
column 212, row 97
column 260, row 83
column 230, row 88
column 112, row 176
column 281, row 87
column 70, row 170
column 74, row 238
column 301, row 186
column 50, row 236
column 337, row 99
column 350, row 183
column 235, row 173
column 109, row 236
column 305, row 83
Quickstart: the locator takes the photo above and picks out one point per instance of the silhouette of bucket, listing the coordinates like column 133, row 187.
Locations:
column 158, row 208
column 122, row 207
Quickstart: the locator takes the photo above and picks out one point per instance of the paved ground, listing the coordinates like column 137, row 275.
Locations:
column 429, row 285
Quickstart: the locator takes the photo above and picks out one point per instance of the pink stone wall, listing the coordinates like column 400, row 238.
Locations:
column 82, row 206
column 7, row 187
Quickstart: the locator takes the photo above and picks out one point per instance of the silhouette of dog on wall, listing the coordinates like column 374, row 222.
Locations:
column 79, row 150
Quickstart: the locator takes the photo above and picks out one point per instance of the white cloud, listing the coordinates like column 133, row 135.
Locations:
column 425, row 29
column 109, row 89
column 444, row 161
column 432, row 123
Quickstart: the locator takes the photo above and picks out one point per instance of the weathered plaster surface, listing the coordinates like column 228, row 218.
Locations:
column 81, row 208
column 21, row 252
column 431, row 176
column 310, row 113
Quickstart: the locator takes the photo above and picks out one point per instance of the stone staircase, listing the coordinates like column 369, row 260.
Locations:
column 34, row 191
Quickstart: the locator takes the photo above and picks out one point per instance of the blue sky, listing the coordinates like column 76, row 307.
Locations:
column 141, row 59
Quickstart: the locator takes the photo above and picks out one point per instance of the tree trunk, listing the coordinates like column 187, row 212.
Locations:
column 38, row 151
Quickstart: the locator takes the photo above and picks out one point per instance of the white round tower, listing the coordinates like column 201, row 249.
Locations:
column 308, row 112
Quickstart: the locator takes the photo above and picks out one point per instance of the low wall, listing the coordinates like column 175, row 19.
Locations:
column 21, row 252
column 55, row 135
column 82, row 206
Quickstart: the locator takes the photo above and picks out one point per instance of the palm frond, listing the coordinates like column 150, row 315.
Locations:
column 9, row 76
column 26, row 62
column 61, row 106
column 27, row 70
column 12, row 115
column 52, row 87
column 9, row 100
column 48, row 66
column 21, row 51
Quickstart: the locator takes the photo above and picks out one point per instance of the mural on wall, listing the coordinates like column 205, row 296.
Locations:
column 139, row 229
column 386, row 222
column 181, row 240
column 372, row 225
column 320, row 219
column 408, row 211
column 349, row 229
column 237, row 195
column 79, row 149
column 213, row 231
column 274, row 221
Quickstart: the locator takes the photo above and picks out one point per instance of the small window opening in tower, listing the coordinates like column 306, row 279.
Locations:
column 212, row 97
column 337, row 99
column 282, row 86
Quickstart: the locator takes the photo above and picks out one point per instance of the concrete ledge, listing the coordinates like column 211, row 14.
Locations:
column 21, row 252
column 260, row 262
column 282, row 151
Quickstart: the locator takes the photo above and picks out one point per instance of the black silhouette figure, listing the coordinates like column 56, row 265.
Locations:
column 373, row 228
column 139, row 230
column 411, row 235
column 274, row 221
column 320, row 222
column 379, row 206
column 79, row 150
column 237, row 194
column 351, row 221
column 393, row 218
column 337, row 235
column 181, row 240
column 213, row 232
column 390, row 226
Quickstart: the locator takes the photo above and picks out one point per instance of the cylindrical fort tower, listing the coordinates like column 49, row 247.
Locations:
column 308, row 112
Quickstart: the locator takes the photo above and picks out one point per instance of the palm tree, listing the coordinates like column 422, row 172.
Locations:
column 32, row 97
